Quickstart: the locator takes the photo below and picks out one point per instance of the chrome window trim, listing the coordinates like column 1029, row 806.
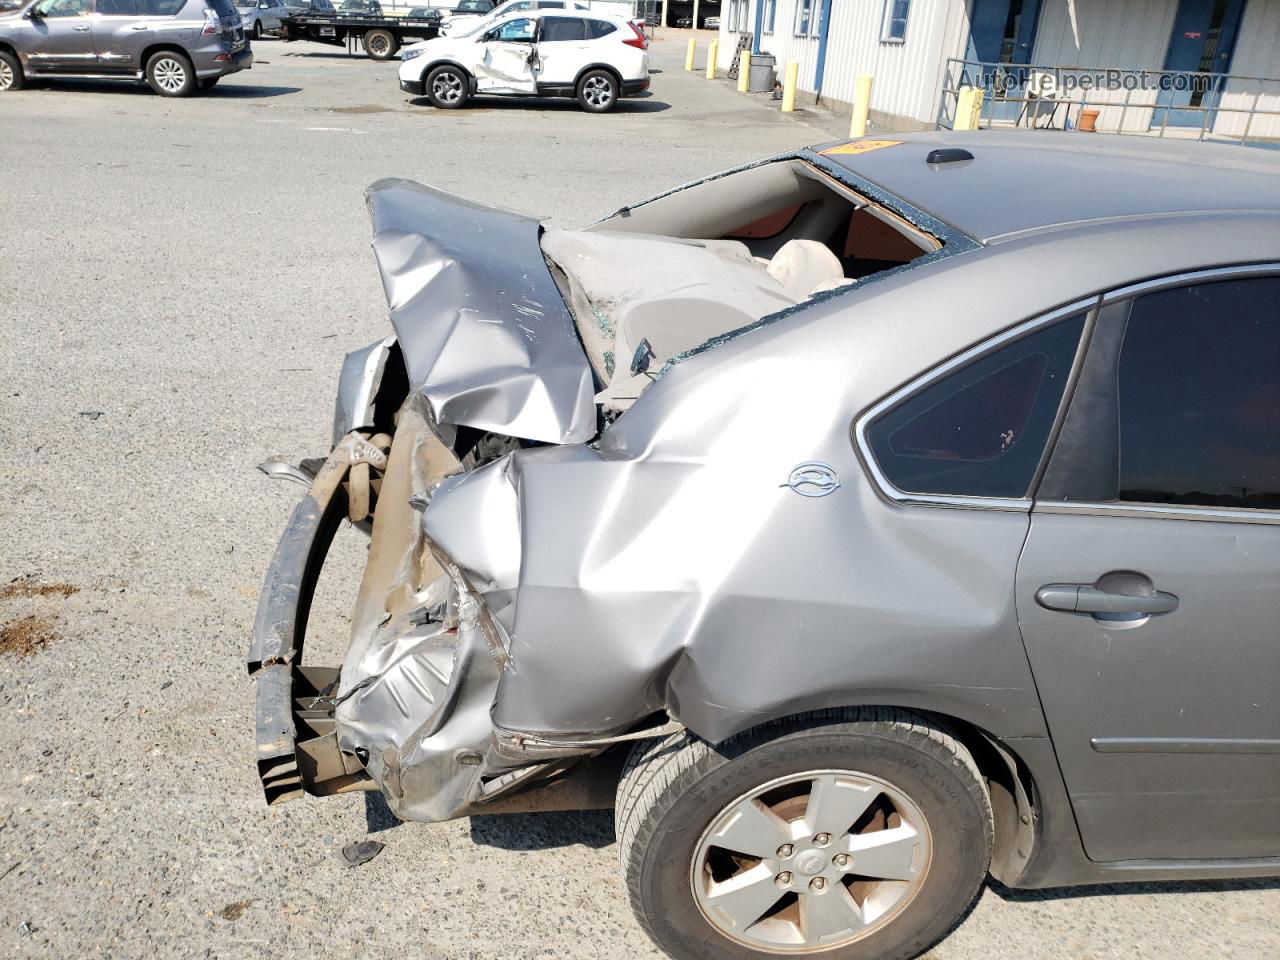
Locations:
column 1016, row 504
column 1160, row 511
column 1189, row 278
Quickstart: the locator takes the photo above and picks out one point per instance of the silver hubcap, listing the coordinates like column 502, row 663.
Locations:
column 170, row 75
column 6, row 76
column 598, row 91
column 447, row 87
column 811, row 861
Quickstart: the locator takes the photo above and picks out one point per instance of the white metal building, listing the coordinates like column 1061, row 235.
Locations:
column 1224, row 52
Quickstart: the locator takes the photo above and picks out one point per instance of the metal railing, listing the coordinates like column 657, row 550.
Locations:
column 1186, row 104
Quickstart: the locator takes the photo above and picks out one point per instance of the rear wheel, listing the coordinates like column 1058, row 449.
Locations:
column 447, row 87
column 598, row 91
column 11, row 77
column 381, row 44
column 170, row 74
column 257, row 30
column 849, row 835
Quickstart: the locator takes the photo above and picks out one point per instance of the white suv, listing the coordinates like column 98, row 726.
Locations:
column 596, row 59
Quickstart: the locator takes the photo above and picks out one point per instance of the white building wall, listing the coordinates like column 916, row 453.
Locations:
column 1257, row 55
column 1086, row 34
column 908, row 75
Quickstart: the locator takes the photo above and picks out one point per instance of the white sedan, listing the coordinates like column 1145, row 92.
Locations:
column 596, row 59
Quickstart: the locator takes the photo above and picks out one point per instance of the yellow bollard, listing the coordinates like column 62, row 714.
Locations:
column 713, row 52
column 688, row 57
column 979, row 97
column 789, row 86
column 744, row 71
column 964, row 109
column 861, row 106
column 968, row 108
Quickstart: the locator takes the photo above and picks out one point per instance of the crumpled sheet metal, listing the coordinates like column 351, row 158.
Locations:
column 362, row 370
column 486, row 336
column 422, row 701
column 668, row 567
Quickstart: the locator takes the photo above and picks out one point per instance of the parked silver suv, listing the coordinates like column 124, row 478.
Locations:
column 177, row 46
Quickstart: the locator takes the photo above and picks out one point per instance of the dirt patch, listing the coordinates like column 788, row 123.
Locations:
column 27, row 587
column 234, row 911
column 26, row 635
column 362, row 108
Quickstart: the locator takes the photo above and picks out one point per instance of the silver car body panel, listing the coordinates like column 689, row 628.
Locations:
column 358, row 384
column 486, row 336
column 666, row 565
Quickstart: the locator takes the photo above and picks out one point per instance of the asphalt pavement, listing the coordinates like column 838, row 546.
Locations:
column 179, row 280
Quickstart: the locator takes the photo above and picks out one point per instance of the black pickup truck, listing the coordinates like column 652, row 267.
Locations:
column 380, row 36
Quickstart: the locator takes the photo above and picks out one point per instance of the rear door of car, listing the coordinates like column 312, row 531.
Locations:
column 1148, row 589
column 564, row 48
column 121, row 31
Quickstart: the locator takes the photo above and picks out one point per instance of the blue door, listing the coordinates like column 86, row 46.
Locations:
column 1003, row 32
column 1203, row 39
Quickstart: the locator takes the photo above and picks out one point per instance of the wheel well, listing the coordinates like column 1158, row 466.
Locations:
column 155, row 48
column 617, row 77
column 1014, row 804
column 446, row 63
column 9, row 50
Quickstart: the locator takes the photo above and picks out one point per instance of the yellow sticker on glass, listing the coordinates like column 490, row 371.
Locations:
column 859, row 146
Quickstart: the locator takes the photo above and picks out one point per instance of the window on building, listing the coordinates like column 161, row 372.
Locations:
column 770, row 14
column 981, row 430
column 804, row 17
column 894, row 27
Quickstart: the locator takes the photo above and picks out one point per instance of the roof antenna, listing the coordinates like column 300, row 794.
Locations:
column 947, row 155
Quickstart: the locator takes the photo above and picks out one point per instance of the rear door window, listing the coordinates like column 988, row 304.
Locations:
column 981, row 430
column 599, row 28
column 563, row 29
column 1199, row 396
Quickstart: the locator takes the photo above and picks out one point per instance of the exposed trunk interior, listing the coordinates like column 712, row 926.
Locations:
column 654, row 281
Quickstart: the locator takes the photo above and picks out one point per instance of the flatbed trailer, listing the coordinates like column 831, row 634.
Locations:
column 380, row 37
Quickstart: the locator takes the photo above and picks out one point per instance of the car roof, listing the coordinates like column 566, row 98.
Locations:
column 1021, row 182
column 557, row 12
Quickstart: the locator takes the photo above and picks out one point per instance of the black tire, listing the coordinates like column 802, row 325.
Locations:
column 381, row 44
column 598, row 91
column 170, row 74
column 672, row 790
column 448, row 87
column 257, row 30
column 11, row 76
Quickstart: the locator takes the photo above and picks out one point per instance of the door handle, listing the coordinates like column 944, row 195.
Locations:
column 80, row 28
column 141, row 26
column 1086, row 598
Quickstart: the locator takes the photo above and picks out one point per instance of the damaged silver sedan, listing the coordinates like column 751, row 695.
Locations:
column 770, row 512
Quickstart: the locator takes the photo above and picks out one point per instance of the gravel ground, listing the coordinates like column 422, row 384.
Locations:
column 178, row 283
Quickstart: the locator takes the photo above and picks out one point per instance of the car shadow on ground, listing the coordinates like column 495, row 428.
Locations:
column 247, row 91
column 544, row 831
column 225, row 90
column 377, row 815
column 515, row 831
column 547, row 104
column 1143, row 888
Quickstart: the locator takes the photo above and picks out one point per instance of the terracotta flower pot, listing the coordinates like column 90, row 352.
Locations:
column 1088, row 121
